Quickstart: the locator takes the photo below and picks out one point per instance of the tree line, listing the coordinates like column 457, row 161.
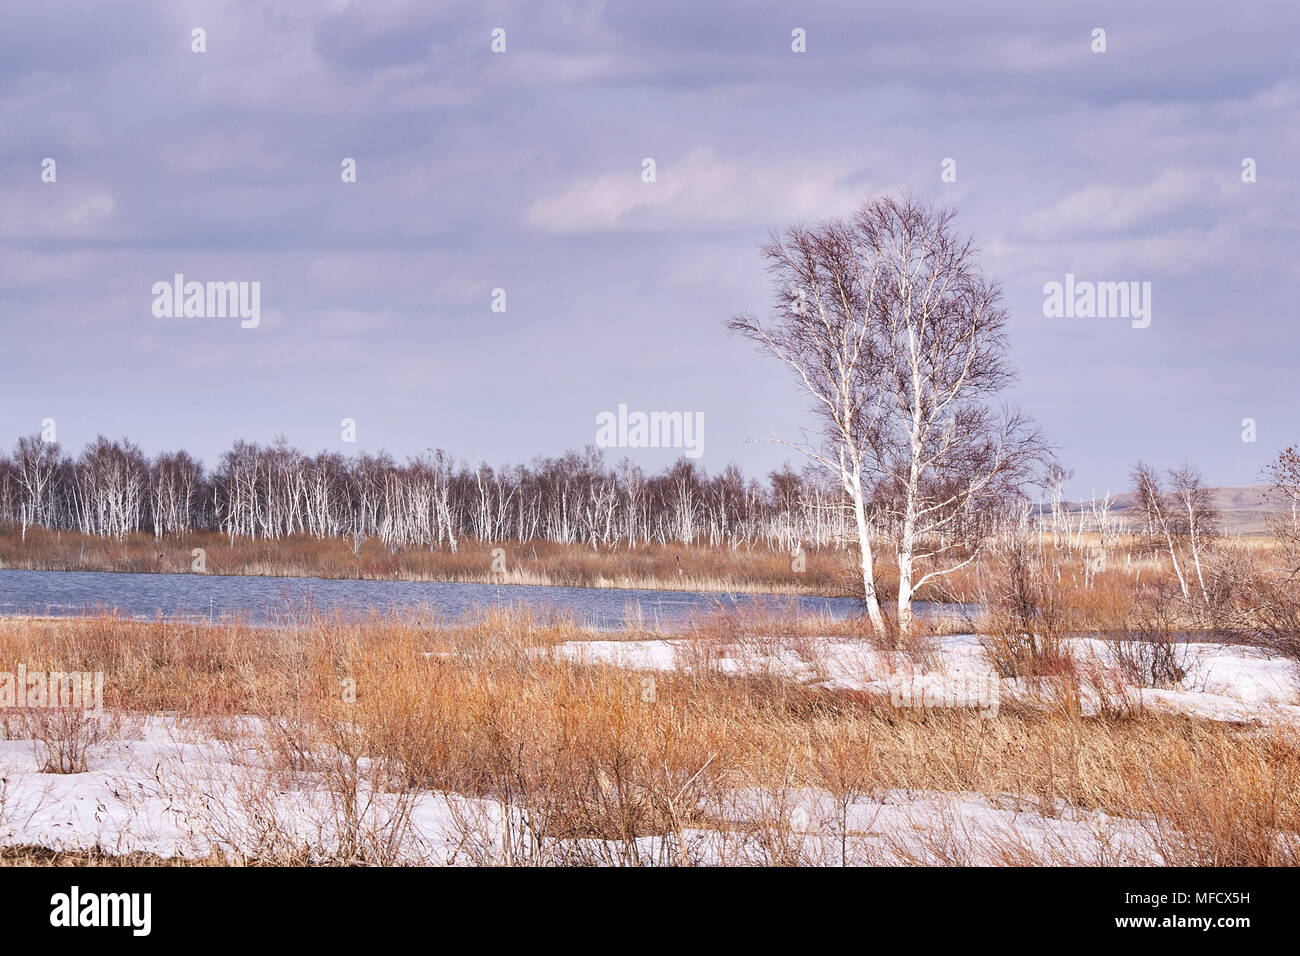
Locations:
column 267, row 491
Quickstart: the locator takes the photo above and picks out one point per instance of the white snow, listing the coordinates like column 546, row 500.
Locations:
column 174, row 791
column 170, row 786
column 1224, row 681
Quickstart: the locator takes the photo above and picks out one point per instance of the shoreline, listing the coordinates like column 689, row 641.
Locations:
column 654, row 567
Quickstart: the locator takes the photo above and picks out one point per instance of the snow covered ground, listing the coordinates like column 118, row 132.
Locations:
column 172, row 790
column 1224, row 681
column 168, row 786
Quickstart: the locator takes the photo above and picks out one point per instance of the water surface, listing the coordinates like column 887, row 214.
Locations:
column 266, row 600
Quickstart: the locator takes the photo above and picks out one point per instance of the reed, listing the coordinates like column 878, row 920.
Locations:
column 593, row 769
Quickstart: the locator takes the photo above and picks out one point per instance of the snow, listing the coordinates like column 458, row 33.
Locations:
column 172, row 786
column 175, row 790
column 1224, row 681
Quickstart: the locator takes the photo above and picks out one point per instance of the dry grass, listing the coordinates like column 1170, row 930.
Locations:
column 651, row 566
column 829, row 572
column 592, row 769
column 21, row 855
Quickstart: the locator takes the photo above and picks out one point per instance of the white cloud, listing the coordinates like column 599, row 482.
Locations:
column 701, row 190
column 1103, row 208
column 55, row 210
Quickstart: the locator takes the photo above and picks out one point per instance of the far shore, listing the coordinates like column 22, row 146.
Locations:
column 711, row 586
column 648, row 567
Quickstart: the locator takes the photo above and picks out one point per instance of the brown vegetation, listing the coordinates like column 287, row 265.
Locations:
column 489, row 707
column 651, row 566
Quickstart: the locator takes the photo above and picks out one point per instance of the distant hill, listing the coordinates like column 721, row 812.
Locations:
column 1244, row 509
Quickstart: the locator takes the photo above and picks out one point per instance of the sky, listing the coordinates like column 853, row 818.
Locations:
column 523, row 171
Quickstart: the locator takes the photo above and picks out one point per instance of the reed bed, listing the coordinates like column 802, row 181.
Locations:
column 595, row 763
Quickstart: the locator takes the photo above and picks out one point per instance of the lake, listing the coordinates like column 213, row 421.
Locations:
column 265, row 600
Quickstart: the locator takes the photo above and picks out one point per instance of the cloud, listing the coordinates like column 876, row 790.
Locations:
column 702, row 190
column 522, row 171
column 55, row 209
column 1108, row 208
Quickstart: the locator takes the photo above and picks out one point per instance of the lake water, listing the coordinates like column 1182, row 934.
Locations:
column 265, row 600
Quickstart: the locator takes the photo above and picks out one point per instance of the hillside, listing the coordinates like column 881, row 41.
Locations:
column 1244, row 509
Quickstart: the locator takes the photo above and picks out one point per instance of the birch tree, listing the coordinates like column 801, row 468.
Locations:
column 897, row 338
column 1283, row 476
column 273, row 491
column 36, row 465
column 1181, row 520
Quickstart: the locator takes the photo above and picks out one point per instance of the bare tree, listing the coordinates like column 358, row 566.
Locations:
column 272, row 491
column 898, row 339
column 110, row 488
column 36, row 467
column 1180, row 521
column 1198, row 519
column 1157, row 513
column 1054, row 481
column 1105, row 521
column 174, row 482
column 1283, row 475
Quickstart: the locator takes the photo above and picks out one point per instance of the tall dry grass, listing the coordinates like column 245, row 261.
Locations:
column 828, row 572
column 547, row 758
column 651, row 566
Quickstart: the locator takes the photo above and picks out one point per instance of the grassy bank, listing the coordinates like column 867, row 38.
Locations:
column 654, row 567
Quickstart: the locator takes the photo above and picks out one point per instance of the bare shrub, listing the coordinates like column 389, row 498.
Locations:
column 1275, row 618
column 1025, row 622
column 1148, row 652
column 843, row 767
column 64, row 736
column 1279, row 618
column 1116, row 697
column 1261, row 602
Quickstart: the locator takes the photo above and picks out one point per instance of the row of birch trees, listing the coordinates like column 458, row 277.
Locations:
column 269, row 491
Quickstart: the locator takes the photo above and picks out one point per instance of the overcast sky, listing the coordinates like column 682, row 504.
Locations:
column 522, row 170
